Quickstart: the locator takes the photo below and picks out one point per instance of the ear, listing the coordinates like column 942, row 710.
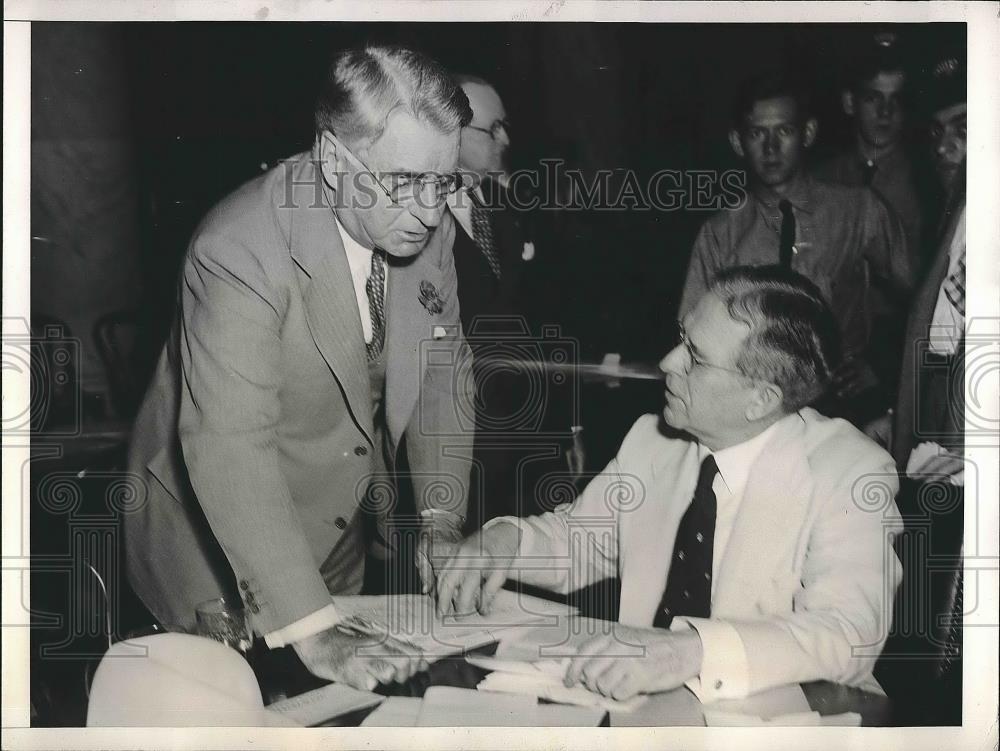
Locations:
column 811, row 129
column 736, row 143
column 847, row 102
column 767, row 400
column 329, row 152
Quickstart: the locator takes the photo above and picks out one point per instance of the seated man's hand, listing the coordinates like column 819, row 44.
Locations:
column 470, row 578
column 361, row 662
column 631, row 661
column 437, row 544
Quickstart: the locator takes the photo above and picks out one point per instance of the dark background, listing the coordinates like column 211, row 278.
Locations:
column 200, row 107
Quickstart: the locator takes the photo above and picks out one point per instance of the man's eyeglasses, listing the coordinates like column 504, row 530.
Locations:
column 409, row 187
column 494, row 129
column 691, row 360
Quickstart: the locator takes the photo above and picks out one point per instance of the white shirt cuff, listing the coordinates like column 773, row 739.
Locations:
column 527, row 533
column 725, row 673
column 319, row 620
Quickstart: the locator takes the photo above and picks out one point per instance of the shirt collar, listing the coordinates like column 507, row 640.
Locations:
column 799, row 195
column 359, row 258
column 735, row 462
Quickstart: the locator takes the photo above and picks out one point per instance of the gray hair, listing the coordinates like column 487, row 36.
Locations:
column 794, row 340
column 365, row 85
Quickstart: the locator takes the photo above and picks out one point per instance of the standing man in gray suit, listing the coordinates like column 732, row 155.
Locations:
column 309, row 300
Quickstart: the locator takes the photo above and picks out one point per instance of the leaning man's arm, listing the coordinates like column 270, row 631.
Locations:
column 230, row 352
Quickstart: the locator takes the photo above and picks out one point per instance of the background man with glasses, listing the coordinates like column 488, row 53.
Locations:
column 294, row 371
column 494, row 258
column 752, row 535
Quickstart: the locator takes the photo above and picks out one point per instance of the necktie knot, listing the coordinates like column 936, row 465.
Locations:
column 706, row 476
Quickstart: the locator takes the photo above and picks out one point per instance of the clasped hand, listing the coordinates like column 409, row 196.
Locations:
column 630, row 661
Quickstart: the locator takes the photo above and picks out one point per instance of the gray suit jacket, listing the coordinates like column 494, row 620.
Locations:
column 256, row 437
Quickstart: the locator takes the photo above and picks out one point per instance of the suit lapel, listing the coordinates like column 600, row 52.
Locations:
column 774, row 501
column 331, row 307
column 647, row 544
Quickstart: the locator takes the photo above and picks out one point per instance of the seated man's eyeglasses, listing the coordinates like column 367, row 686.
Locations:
column 409, row 187
column 693, row 360
column 494, row 130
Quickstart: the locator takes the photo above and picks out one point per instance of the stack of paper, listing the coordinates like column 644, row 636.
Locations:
column 446, row 706
column 316, row 707
column 544, row 679
column 414, row 619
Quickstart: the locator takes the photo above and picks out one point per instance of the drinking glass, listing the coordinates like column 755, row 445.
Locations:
column 226, row 622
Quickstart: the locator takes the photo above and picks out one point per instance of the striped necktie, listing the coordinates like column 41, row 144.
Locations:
column 375, row 289
column 482, row 233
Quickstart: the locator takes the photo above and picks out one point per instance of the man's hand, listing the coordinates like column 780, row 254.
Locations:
column 474, row 573
column 612, row 665
column 361, row 662
column 436, row 546
column 880, row 430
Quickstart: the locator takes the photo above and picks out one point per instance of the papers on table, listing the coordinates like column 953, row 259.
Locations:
column 445, row 706
column 316, row 707
column 544, row 679
column 395, row 712
column 799, row 719
column 414, row 618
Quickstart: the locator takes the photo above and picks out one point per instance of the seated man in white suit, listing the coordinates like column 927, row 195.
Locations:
column 752, row 535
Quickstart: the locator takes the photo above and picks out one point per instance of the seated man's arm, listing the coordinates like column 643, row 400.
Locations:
column 572, row 546
column 841, row 614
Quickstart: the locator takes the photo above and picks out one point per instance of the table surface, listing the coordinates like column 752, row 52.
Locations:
column 282, row 675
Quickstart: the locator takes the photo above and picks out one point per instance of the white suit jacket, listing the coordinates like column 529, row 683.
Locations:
column 809, row 573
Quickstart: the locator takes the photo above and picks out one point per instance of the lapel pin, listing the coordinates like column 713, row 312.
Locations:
column 430, row 298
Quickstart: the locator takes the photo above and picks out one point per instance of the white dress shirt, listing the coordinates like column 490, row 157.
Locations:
column 359, row 259
column 947, row 324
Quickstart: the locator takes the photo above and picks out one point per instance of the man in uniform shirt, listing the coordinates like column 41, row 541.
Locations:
column 297, row 365
column 839, row 237
column 743, row 530
column 875, row 100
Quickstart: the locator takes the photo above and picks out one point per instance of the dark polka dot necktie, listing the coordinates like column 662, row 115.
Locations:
column 375, row 289
column 689, row 583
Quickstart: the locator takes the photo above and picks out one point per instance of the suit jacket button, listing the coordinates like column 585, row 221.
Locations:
column 360, row 451
column 244, row 585
column 254, row 607
column 718, row 685
column 340, row 522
